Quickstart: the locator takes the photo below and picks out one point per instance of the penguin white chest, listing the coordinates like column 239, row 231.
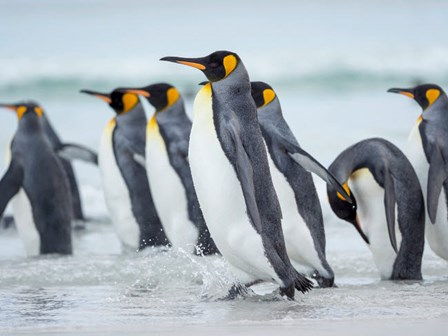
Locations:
column 116, row 193
column 168, row 192
column 298, row 239
column 23, row 217
column 220, row 196
column 372, row 217
column 437, row 233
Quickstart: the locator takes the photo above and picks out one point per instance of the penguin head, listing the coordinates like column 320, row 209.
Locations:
column 262, row 93
column 425, row 95
column 120, row 100
column 24, row 107
column 216, row 66
column 160, row 95
column 344, row 209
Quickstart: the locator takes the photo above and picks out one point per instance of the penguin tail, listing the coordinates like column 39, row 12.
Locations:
column 302, row 283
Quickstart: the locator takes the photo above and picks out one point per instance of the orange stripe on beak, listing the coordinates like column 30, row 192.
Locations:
column 192, row 64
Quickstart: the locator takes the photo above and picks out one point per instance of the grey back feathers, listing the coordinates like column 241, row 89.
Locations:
column 278, row 137
column 236, row 123
column 393, row 172
column 129, row 138
column 433, row 130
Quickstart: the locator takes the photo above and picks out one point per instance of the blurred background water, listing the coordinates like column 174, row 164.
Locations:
column 330, row 62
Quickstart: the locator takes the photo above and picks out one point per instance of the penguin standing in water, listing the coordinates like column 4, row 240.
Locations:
column 428, row 144
column 66, row 153
column 125, row 183
column 231, row 175
column 167, row 138
column 302, row 223
column 38, row 186
column 386, row 191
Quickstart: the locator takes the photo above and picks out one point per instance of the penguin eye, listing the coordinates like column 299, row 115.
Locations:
column 214, row 65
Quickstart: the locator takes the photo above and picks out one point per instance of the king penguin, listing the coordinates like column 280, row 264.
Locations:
column 428, row 152
column 231, row 175
column 167, row 138
column 38, row 186
column 125, row 183
column 290, row 166
column 66, row 152
column 386, row 191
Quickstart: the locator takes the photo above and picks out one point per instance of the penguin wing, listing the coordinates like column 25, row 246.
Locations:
column 437, row 175
column 10, row 183
column 72, row 151
column 389, row 205
column 310, row 164
column 244, row 170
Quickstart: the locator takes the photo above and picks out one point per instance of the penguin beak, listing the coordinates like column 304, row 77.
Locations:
column 359, row 229
column 141, row 92
column 407, row 92
column 9, row 107
column 197, row 63
column 203, row 83
column 103, row 96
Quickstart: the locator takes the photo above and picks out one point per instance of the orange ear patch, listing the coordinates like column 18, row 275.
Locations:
column 432, row 95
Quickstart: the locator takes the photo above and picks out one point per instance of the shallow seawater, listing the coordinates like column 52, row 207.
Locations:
column 99, row 288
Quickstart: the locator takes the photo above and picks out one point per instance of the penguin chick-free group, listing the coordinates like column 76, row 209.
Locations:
column 235, row 181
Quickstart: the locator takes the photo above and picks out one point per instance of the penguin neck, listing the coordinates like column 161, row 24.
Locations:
column 236, row 83
column 30, row 123
column 136, row 116
column 176, row 111
column 354, row 158
column 438, row 111
column 270, row 114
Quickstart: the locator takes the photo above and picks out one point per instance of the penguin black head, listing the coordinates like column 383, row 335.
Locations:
column 262, row 93
column 120, row 100
column 344, row 209
column 23, row 107
column 216, row 66
column 425, row 95
column 160, row 95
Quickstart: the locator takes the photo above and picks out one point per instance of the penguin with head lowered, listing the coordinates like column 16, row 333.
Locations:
column 231, row 175
column 38, row 186
column 167, row 138
column 428, row 152
column 389, row 213
column 302, row 223
column 125, row 183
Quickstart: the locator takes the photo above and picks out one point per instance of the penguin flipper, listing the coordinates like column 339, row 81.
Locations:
column 437, row 174
column 310, row 164
column 245, row 173
column 70, row 151
column 389, row 205
column 10, row 183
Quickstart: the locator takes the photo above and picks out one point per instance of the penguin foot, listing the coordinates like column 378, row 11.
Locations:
column 322, row 281
column 235, row 291
column 302, row 283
